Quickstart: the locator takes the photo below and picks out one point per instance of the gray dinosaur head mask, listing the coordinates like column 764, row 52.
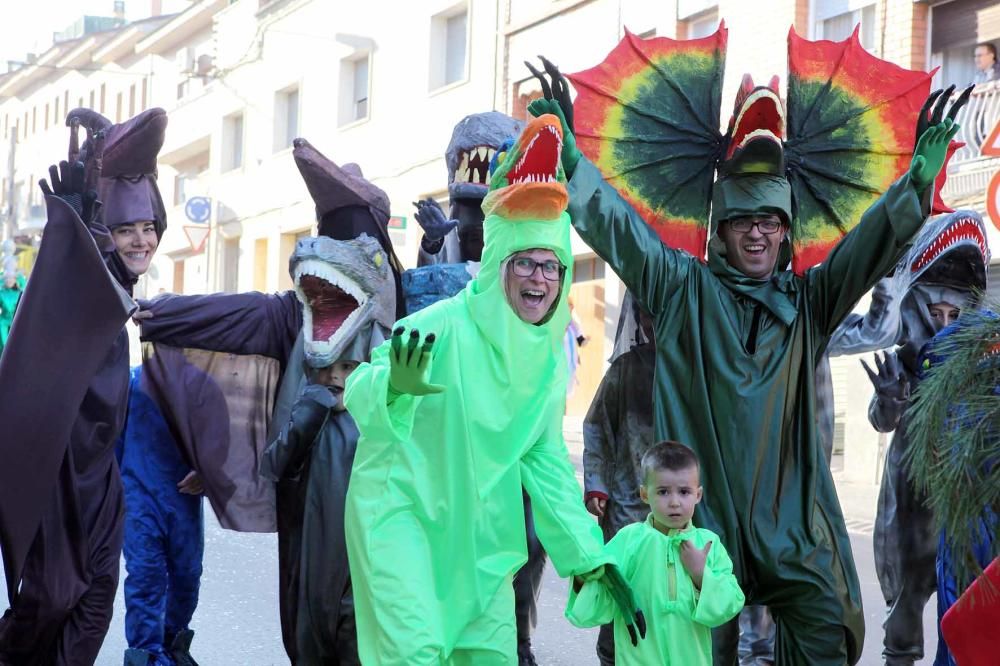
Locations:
column 348, row 297
column 946, row 263
column 474, row 142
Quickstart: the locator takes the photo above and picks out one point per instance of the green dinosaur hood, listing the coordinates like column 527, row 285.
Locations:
column 525, row 208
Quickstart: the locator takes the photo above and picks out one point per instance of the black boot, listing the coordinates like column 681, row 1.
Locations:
column 524, row 654
column 137, row 657
column 180, row 648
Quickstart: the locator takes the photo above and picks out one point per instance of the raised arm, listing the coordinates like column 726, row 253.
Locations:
column 873, row 247
column 876, row 329
column 247, row 323
column 612, row 227
column 892, row 392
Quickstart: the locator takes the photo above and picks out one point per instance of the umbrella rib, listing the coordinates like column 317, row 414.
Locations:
column 849, row 117
column 841, row 179
column 796, row 148
column 824, row 204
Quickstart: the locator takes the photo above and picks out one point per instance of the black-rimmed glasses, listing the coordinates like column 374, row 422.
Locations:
column 525, row 267
column 766, row 224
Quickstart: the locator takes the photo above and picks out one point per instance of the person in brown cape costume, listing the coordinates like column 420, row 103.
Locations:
column 60, row 489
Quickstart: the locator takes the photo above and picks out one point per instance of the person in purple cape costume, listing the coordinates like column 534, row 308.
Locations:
column 60, row 489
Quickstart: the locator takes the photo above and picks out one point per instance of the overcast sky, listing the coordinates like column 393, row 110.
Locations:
column 28, row 26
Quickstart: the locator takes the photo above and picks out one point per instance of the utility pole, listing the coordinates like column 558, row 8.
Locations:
column 11, row 212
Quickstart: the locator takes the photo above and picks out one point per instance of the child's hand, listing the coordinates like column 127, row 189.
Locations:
column 694, row 560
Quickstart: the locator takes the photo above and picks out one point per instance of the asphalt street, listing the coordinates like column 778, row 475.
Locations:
column 237, row 619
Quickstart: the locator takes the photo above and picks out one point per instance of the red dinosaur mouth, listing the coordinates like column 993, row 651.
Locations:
column 540, row 161
column 963, row 230
column 330, row 305
column 761, row 117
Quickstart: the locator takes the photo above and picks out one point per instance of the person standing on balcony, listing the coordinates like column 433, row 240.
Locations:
column 987, row 67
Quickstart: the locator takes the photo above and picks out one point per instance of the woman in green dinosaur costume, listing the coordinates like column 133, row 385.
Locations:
column 737, row 342
column 434, row 517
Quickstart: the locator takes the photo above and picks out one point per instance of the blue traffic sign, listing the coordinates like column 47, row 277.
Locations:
column 198, row 209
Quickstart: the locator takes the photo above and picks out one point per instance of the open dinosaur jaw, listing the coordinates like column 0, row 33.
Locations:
column 474, row 165
column 331, row 305
column 529, row 183
column 539, row 162
column 761, row 118
column 964, row 232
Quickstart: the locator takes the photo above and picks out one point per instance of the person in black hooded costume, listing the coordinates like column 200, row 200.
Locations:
column 337, row 311
column 61, row 500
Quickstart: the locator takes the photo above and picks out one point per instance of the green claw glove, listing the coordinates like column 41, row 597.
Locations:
column 930, row 153
column 557, row 102
column 408, row 365
column 934, row 132
column 611, row 577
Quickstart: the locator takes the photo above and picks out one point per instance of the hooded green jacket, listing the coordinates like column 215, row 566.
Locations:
column 750, row 416
column 435, row 524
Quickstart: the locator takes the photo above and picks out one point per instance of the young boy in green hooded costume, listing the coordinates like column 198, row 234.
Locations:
column 435, row 529
column 737, row 342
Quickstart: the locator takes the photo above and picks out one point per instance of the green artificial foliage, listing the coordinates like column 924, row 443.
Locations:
column 954, row 432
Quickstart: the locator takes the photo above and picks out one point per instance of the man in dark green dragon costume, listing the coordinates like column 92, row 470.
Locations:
column 737, row 340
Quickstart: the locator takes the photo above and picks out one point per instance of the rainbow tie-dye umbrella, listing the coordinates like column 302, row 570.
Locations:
column 646, row 117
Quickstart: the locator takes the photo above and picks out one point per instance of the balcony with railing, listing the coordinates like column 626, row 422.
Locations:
column 969, row 171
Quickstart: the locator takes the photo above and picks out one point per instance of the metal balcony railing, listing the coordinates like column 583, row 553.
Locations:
column 969, row 171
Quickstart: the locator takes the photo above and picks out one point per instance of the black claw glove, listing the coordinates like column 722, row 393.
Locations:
column 933, row 114
column 558, row 90
column 69, row 184
column 558, row 103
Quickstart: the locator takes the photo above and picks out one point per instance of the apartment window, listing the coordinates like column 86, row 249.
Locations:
column 286, row 117
column 450, row 40
column 703, row 26
column 232, row 142
column 179, row 195
column 838, row 27
column 104, row 93
column 355, row 82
